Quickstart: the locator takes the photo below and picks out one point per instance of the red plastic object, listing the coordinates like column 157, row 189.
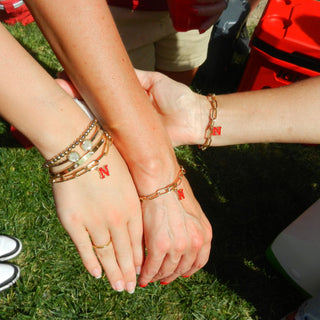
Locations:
column 21, row 138
column 285, row 46
column 182, row 15
column 13, row 11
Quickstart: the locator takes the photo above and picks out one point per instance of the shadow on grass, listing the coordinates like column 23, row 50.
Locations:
column 250, row 194
column 6, row 138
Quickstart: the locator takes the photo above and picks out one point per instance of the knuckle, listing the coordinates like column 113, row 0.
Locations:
column 150, row 272
column 180, row 246
column 197, row 241
column 100, row 255
column 129, row 275
column 200, row 264
column 117, row 219
column 160, row 274
column 162, row 245
column 83, row 246
column 179, row 271
column 71, row 219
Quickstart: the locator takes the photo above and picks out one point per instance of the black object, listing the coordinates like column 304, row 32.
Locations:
column 227, row 52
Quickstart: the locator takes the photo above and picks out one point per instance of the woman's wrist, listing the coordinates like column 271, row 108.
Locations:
column 62, row 127
column 154, row 172
column 205, row 126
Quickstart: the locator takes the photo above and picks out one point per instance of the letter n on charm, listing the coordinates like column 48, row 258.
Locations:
column 216, row 131
column 104, row 171
column 180, row 194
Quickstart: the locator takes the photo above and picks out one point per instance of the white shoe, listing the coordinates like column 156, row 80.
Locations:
column 10, row 247
column 9, row 274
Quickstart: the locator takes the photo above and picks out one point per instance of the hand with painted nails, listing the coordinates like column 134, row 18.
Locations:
column 177, row 236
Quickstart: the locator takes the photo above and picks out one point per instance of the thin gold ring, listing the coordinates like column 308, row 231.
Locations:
column 102, row 247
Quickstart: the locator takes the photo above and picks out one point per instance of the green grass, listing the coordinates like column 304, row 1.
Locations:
column 250, row 193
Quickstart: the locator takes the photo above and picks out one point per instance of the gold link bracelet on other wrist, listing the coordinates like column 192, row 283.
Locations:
column 212, row 118
column 170, row 187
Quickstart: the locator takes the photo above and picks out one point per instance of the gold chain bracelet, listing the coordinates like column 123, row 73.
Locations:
column 170, row 187
column 212, row 118
column 93, row 165
column 81, row 161
column 85, row 145
column 62, row 154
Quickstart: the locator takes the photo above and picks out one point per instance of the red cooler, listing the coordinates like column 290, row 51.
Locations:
column 285, row 46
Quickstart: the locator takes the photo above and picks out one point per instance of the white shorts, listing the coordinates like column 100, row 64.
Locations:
column 152, row 42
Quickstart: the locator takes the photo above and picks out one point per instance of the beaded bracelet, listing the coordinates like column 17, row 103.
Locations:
column 81, row 160
column 170, row 187
column 71, row 146
column 93, row 165
column 211, row 129
column 85, row 145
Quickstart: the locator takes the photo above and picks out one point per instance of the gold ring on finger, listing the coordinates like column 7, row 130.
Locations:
column 103, row 246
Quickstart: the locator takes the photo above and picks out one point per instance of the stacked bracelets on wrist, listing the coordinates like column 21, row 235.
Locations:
column 170, row 187
column 211, row 130
column 72, row 162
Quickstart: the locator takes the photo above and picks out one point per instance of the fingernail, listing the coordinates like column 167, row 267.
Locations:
column 130, row 287
column 185, row 276
column 96, row 273
column 138, row 270
column 119, row 286
column 164, row 283
column 142, row 285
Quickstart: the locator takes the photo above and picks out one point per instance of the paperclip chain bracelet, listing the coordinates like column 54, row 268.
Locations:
column 85, row 145
column 170, row 187
column 212, row 119
column 71, row 146
column 81, row 161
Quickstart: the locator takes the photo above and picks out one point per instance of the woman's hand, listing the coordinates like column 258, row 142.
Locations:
column 183, row 112
column 94, row 211
column 177, row 236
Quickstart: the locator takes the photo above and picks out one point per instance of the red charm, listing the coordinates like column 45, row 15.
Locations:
column 104, row 171
column 216, row 131
column 180, row 194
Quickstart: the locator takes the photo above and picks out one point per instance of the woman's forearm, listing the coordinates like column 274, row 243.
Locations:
column 92, row 209
column 87, row 43
column 31, row 100
column 287, row 115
